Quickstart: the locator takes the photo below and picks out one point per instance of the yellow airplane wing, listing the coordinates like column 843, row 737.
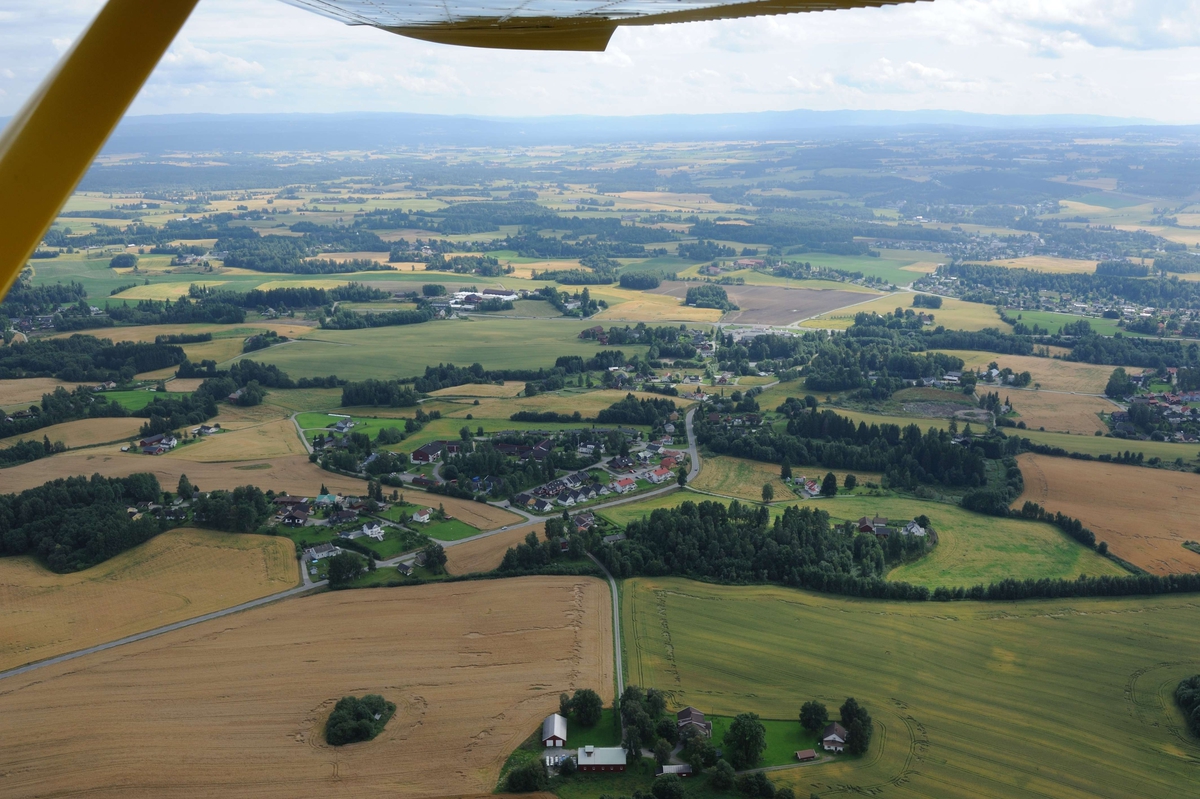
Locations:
column 53, row 139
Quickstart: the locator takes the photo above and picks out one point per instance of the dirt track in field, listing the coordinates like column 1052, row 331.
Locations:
column 769, row 305
column 1144, row 514
column 235, row 707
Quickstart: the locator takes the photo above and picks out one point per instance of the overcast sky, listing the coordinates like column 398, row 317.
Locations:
column 1113, row 57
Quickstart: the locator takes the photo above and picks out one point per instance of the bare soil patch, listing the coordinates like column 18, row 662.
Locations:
column 235, row 707
column 768, row 305
column 1144, row 514
column 177, row 575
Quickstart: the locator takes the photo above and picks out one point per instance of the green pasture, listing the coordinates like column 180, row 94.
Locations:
column 606, row 732
column 449, row 530
column 314, row 423
column 1062, row 698
column 389, row 352
column 138, row 399
column 785, row 737
column 1053, row 321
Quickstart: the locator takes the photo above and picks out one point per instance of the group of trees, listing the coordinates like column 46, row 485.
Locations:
column 908, row 457
column 853, row 716
column 388, row 393
column 81, row 358
column 1187, row 697
column 740, row 544
column 585, row 707
column 631, row 410
column 76, row 522
column 354, row 719
column 242, row 510
column 709, row 295
column 346, row 319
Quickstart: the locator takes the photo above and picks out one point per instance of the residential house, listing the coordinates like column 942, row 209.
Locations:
column 563, row 543
column 667, row 462
column 566, row 499
column 614, row 538
column 206, row 430
column 343, row 425
column 833, row 738
column 321, row 551
column 295, row 518
column 659, row 475
column 237, row 395
column 343, row 517
column 912, row 528
column 542, row 506
column 601, row 758
column 624, row 485
column 326, row 500
column 692, row 718
column 404, row 569
column 584, row 521
column 369, row 530
column 423, row 516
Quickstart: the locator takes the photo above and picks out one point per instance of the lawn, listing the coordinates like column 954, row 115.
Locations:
column 140, row 398
column 606, row 732
column 385, row 352
column 1061, row 698
column 314, row 423
column 785, row 737
column 449, row 530
column 1053, row 321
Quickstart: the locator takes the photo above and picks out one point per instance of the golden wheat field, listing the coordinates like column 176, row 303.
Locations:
column 954, row 314
column 236, row 706
column 511, row 388
column 485, row 554
column 82, row 432
column 29, row 390
column 177, row 575
column 1144, row 514
column 1049, row 263
column 1059, row 413
column 268, row 440
column 1051, row 373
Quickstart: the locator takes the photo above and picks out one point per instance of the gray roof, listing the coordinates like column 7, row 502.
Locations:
column 601, row 756
column 555, row 726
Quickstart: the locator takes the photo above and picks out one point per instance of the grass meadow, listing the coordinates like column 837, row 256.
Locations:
column 954, row 314
column 1064, row 698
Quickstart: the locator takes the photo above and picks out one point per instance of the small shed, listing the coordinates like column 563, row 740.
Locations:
column 806, row 755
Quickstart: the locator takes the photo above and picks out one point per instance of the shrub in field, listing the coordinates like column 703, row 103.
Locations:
column 354, row 719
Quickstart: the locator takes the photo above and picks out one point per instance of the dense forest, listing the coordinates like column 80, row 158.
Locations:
column 82, row 358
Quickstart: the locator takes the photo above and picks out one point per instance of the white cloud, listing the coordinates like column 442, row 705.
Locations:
column 1115, row 57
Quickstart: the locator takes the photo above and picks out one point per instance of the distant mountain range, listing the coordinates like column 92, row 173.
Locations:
column 368, row 131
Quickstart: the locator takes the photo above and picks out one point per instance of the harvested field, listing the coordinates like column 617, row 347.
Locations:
column 1144, row 514
column 485, row 554
column 185, row 384
column 29, row 390
column 479, row 515
column 1065, row 698
column 236, row 706
column 1059, row 413
column 291, row 473
column 737, row 477
column 1049, row 263
column 768, row 305
column 269, row 440
column 510, row 389
column 178, row 575
column 1052, row 373
column 954, row 314
column 290, row 329
column 82, row 433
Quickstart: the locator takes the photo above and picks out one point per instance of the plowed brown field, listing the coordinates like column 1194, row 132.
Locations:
column 235, row 707
column 178, row 575
column 1144, row 514
column 485, row 554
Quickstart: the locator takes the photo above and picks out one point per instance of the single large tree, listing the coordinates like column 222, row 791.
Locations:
column 813, row 716
column 587, row 707
column 435, row 557
column 185, row 487
column 745, row 740
column 829, row 486
column 345, row 567
column 768, row 492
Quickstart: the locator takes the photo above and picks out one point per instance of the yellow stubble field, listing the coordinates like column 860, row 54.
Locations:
column 1143, row 514
column 236, row 706
column 177, row 575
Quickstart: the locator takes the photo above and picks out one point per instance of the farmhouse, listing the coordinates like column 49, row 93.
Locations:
column 295, row 518
column 423, row 516
column 912, row 528
column 833, row 739
column 601, row 758
column 689, row 717
column 554, row 730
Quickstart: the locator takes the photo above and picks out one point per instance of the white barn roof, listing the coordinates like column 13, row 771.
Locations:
column 601, row 756
column 555, row 726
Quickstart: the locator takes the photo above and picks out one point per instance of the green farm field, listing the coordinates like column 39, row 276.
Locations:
column 387, row 352
column 1066, row 699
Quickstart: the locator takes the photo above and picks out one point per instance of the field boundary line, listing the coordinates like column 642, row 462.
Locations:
column 616, row 609
column 179, row 625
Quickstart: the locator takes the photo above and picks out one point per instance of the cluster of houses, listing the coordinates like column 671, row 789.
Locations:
column 565, row 491
column 296, row 511
column 434, row 451
column 469, row 300
column 1170, row 406
column 735, row 420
